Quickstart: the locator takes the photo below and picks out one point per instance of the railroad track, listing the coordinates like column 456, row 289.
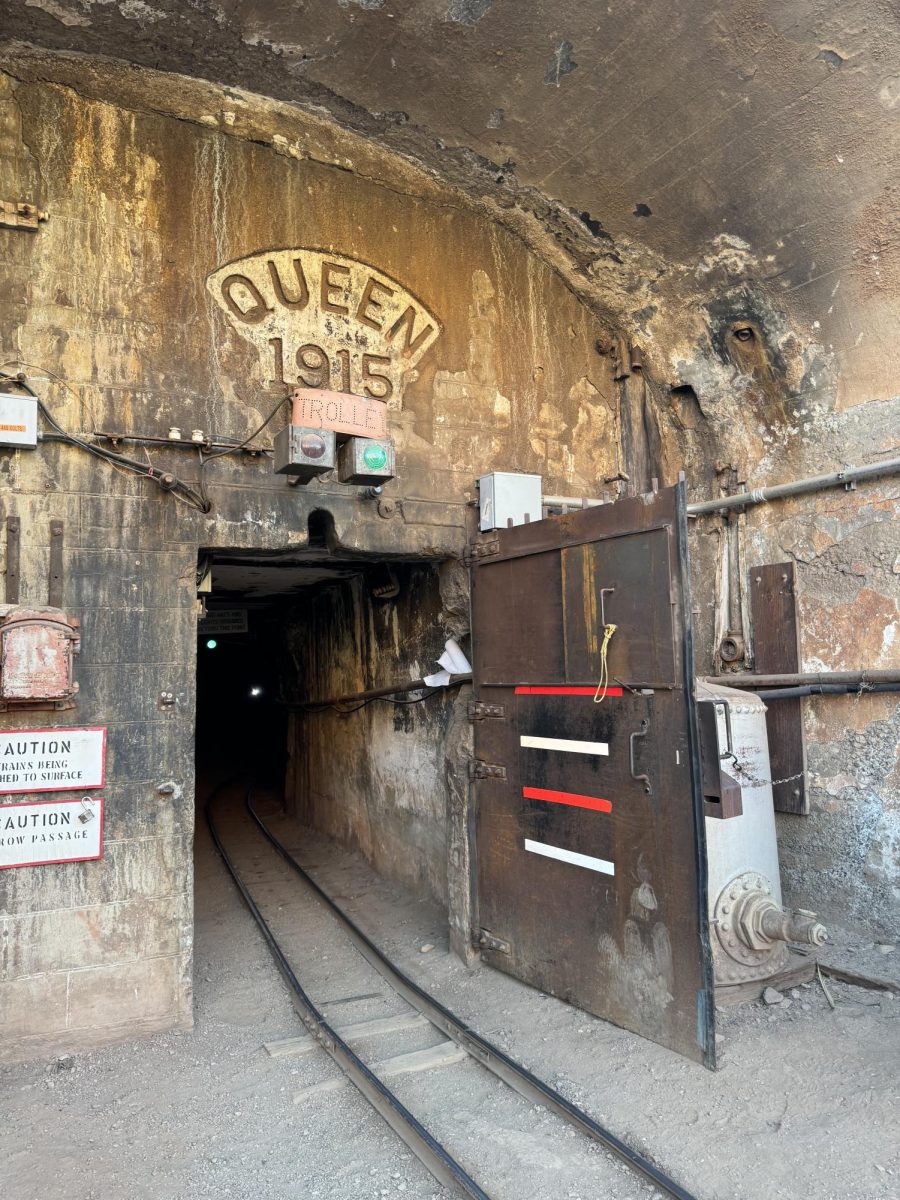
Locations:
column 437, row 1159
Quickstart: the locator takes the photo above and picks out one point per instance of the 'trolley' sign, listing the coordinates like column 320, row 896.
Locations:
column 353, row 415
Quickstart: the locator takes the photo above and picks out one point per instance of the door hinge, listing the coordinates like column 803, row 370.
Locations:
column 487, row 941
column 17, row 215
column 476, row 550
column 478, row 710
column 486, row 770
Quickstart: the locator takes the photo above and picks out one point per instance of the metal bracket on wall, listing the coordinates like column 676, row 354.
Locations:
column 487, row 941
column 13, row 530
column 15, row 214
column 479, row 711
column 486, row 770
column 477, row 550
column 55, row 587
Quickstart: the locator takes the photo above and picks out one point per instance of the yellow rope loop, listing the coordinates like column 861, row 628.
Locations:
column 608, row 632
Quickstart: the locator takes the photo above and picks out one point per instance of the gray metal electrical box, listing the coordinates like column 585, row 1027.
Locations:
column 304, row 453
column 18, row 420
column 366, row 460
column 506, row 498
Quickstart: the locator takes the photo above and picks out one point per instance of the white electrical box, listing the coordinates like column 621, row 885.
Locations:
column 18, row 420
column 506, row 498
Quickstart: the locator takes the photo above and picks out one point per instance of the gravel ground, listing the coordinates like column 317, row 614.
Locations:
column 805, row 1104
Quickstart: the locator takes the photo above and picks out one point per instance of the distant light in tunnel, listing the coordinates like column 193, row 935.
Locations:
column 211, row 644
column 256, row 691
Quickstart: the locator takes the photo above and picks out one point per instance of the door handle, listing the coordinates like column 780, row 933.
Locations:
column 638, row 733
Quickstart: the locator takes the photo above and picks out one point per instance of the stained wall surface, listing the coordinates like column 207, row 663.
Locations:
column 542, row 277
column 391, row 804
column 109, row 304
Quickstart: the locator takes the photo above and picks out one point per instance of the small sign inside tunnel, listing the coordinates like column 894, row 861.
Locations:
column 223, row 620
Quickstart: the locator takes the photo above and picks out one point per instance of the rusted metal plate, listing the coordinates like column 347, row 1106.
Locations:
column 590, row 859
column 622, row 580
column 36, row 653
column 776, row 648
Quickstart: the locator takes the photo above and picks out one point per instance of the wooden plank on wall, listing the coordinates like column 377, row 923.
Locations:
column 776, row 642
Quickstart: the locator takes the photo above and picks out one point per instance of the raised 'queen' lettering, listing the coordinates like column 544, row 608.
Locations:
column 321, row 320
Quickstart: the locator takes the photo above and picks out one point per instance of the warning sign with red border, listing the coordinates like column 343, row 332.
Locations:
column 51, row 760
column 51, row 831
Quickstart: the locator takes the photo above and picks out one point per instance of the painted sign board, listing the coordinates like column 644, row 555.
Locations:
column 51, row 760
column 51, row 831
column 223, row 620
column 353, row 415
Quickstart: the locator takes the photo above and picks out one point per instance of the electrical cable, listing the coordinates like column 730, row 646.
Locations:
column 204, row 461
column 181, row 491
column 340, row 708
column 177, row 487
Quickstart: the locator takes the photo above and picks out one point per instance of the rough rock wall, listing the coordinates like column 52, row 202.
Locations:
column 373, row 778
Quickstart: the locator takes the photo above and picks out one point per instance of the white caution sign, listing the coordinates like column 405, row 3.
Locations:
column 51, row 831
column 51, row 760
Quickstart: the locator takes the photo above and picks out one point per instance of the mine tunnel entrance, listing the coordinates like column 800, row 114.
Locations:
column 284, row 635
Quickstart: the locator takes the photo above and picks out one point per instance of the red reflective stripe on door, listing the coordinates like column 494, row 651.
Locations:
column 564, row 691
column 570, row 798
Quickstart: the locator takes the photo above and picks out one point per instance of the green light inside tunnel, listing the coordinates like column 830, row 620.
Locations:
column 211, row 644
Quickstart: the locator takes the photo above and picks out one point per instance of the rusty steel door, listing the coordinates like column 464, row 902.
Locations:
column 589, row 844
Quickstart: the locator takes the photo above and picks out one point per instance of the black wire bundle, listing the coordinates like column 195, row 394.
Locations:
column 196, row 498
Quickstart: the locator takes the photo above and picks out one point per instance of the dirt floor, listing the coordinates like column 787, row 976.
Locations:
column 805, row 1104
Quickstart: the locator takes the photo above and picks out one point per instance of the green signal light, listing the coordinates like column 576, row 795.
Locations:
column 375, row 457
column 211, row 644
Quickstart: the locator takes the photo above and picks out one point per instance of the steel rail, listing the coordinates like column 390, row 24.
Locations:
column 428, row 1150
column 519, row 1078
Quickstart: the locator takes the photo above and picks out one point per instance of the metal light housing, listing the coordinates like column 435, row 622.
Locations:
column 304, row 453
column 366, row 460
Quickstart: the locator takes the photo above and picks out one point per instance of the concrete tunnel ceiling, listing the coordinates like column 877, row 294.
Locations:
column 673, row 153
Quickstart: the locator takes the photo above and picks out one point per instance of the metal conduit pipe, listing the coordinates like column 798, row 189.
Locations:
column 814, row 483
column 397, row 689
column 570, row 502
column 778, row 491
column 825, row 689
column 853, row 679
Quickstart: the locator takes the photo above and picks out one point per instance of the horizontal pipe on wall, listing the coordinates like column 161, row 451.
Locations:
column 799, row 487
column 763, row 495
column 401, row 689
column 825, row 689
column 855, row 679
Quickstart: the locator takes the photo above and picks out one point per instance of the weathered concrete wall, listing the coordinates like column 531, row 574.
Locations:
column 110, row 296
column 155, row 182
